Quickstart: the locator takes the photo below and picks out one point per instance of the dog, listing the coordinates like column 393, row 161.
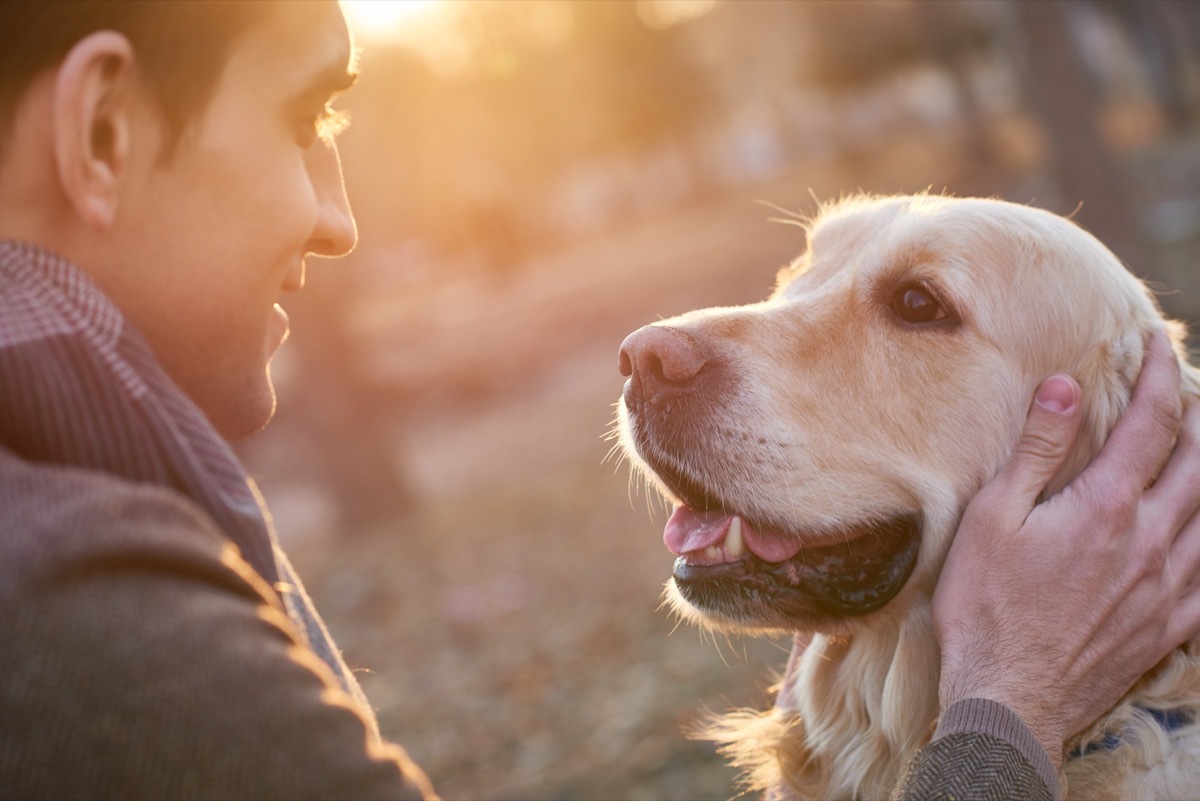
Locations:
column 820, row 448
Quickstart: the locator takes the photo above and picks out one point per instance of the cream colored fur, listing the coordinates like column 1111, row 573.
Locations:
column 850, row 416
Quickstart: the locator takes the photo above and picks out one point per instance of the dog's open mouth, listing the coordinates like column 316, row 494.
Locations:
column 730, row 566
column 753, row 573
column 749, row 572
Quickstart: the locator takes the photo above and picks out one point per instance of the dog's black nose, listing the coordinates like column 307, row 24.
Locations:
column 657, row 356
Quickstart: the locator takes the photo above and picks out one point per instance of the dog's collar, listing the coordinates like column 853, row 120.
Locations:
column 1167, row 719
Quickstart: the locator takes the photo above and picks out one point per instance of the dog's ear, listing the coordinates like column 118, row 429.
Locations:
column 1107, row 374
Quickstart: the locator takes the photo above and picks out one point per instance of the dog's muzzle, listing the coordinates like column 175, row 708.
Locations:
column 675, row 389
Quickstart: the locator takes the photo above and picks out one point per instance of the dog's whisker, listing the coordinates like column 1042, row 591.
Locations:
column 791, row 217
column 717, row 646
column 733, row 648
column 780, row 646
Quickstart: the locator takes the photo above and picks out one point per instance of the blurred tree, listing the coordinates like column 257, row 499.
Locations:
column 1067, row 103
column 853, row 47
column 855, row 43
column 951, row 37
column 1166, row 34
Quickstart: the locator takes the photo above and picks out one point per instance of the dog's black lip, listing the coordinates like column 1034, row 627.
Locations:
column 832, row 581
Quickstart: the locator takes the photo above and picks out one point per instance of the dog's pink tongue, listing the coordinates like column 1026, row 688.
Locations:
column 689, row 530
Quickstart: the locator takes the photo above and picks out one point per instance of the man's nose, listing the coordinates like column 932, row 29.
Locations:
column 335, row 233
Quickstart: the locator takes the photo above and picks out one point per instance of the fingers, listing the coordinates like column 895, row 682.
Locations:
column 1183, row 560
column 1049, row 433
column 1176, row 493
column 1184, row 623
column 1176, row 496
column 1143, row 436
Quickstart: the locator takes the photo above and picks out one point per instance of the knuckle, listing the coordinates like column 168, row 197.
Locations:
column 1039, row 444
column 1154, row 556
column 1116, row 502
column 1165, row 411
column 1189, row 429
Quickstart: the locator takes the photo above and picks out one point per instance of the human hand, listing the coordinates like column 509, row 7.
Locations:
column 1055, row 610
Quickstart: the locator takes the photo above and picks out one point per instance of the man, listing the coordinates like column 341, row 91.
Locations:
column 165, row 171
column 165, row 168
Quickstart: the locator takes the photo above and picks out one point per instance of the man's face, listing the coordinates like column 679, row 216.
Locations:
column 218, row 232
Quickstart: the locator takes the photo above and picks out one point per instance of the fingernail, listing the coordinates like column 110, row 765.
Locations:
column 1056, row 394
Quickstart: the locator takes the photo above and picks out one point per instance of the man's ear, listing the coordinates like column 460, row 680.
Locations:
column 93, row 103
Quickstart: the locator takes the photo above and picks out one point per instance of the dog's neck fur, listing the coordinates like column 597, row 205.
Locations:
column 850, row 712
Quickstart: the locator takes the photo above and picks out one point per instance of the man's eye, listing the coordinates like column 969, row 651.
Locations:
column 913, row 303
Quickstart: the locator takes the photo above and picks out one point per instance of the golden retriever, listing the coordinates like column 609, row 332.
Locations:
column 820, row 447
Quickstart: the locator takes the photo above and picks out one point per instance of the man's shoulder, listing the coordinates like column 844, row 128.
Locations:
column 137, row 642
column 51, row 515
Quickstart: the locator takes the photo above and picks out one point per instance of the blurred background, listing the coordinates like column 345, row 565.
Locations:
column 533, row 181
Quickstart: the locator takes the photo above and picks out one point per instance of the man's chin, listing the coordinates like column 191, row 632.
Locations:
column 241, row 415
column 279, row 330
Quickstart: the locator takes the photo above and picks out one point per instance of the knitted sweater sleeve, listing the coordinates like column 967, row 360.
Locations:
column 980, row 750
column 142, row 658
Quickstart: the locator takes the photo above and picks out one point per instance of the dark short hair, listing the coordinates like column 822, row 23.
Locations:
column 180, row 45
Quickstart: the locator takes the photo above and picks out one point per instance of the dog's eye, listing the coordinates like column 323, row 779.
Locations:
column 914, row 303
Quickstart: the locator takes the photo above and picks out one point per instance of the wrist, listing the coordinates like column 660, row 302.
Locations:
column 1024, row 706
column 963, row 679
column 990, row 718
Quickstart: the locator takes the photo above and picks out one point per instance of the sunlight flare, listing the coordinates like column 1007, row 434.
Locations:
column 385, row 19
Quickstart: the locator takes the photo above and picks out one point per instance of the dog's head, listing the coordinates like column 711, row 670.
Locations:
column 821, row 445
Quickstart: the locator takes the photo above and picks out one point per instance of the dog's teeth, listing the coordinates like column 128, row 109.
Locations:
column 712, row 552
column 733, row 540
